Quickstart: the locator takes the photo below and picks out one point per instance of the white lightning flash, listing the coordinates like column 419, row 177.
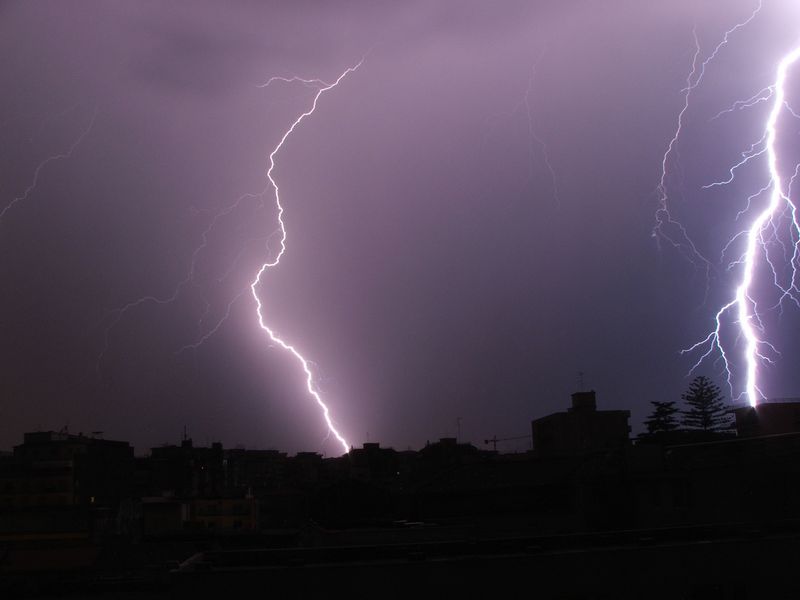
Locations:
column 762, row 229
column 323, row 87
column 767, row 227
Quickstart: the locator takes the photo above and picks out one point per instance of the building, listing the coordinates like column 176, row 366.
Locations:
column 59, row 486
column 255, row 470
column 581, row 429
column 225, row 514
column 769, row 418
column 51, row 469
column 373, row 463
column 185, row 471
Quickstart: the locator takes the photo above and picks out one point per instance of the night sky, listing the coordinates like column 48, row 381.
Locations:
column 435, row 270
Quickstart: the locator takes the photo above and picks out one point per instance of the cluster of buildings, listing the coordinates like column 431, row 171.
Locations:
column 88, row 509
column 583, row 472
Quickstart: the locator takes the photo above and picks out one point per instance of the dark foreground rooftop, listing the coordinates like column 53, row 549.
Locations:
column 739, row 561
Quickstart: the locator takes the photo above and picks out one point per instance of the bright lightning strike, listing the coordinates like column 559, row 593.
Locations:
column 743, row 304
column 323, row 87
column 761, row 236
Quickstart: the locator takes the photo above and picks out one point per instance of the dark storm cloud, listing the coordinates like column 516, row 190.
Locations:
column 430, row 272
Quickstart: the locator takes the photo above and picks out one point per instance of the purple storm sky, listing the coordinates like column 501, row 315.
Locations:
column 432, row 270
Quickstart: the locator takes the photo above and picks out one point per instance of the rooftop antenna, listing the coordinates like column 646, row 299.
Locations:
column 581, row 382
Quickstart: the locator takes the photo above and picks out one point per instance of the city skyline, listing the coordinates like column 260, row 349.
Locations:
column 469, row 215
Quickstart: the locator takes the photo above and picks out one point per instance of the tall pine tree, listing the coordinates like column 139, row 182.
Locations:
column 663, row 418
column 707, row 411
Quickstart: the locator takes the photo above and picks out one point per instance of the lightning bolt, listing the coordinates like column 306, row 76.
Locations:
column 668, row 228
column 534, row 137
column 118, row 313
column 743, row 304
column 42, row 165
column 761, row 236
column 532, row 134
column 323, row 87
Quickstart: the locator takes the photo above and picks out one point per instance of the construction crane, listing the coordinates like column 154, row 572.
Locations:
column 494, row 439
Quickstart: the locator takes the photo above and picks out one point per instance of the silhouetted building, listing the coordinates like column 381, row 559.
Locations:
column 306, row 469
column 186, row 470
column 60, row 469
column 186, row 488
column 769, row 418
column 255, row 470
column 163, row 515
column 224, row 514
column 400, row 515
column 59, row 486
column 582, row 428
column 373, row 463
column 448, row 450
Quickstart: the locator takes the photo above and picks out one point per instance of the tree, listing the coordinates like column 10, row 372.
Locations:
column 707, row 411
column 663, row 418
